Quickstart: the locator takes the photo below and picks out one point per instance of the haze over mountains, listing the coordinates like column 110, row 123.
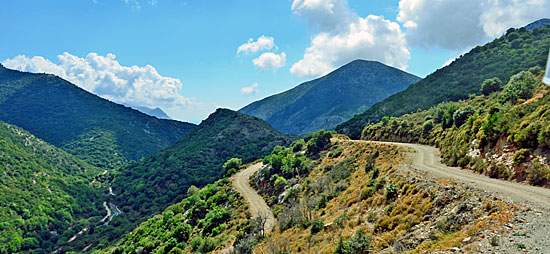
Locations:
column 325, row 102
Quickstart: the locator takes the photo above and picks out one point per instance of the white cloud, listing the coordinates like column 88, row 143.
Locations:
column 262, row 43
column 250, row 90
column 270, row 61
column 448, row 62
column 105, row 77
column 325, row 14
column 344, row 36
column 459, row 24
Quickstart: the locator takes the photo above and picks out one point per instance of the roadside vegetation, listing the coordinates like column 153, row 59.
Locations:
column 503, row 133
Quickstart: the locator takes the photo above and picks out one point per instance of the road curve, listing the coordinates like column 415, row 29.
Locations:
column 256, row 203
column 427, row 158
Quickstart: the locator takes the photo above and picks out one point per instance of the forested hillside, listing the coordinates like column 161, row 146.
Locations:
column 502, row 133
column 328, row 101
column 45, row 193
column 518, row 49
column 96, row 130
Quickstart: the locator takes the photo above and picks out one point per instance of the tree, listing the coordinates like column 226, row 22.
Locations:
column 231, row 166
column 490, row 86
column 520, row 86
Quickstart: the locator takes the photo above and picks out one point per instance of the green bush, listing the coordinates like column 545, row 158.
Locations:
column 490, row 86
column 360, row 243
column 317, row 224
column 520, row 86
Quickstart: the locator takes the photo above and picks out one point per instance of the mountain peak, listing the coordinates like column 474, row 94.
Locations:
column 327, row 101
column 538, row 24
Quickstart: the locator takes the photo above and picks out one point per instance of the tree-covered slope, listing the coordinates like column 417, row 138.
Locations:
column 517, row 50
column 502, row 134
column 94, row 129
column 328, row 101
column 45, row 193
column 157, row 181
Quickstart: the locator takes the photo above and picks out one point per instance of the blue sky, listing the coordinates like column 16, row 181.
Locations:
column 192, row 44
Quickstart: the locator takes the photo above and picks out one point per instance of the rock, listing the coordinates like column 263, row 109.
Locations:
column 467, row 239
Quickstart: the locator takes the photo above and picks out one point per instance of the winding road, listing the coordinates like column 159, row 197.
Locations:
column 256, row 203
column 427, row 158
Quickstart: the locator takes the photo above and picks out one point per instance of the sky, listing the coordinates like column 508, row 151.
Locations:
column 189, row 57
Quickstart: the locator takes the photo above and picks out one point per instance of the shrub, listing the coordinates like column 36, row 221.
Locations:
column 461, row 115
column 360, row 243
column 231, row 166
column 317, row 141
column 521, row 155
column 427, row 126
column 317, row 225
column 391, row 191
column 520, row 86
column 490, row 86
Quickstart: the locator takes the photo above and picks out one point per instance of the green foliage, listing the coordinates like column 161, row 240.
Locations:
column 490, row 86
column 521, row 86
column 163, row 178
column 328, row 101
column 317, row 224
column 317, row 142
column 360, row 243
column 43, row 190
column 461, row 115
column 391, row 191
column 195, row 223
column 458, row 80
column 481, row 122
column 232, row 166
column 96, row 130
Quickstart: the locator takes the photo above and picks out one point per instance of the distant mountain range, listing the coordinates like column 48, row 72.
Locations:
column 101, row 132
column 156, row 112
column 325, row 102
column 517, row 50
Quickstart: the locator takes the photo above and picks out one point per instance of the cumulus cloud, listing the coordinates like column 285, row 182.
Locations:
column 270, row 61
column 105, row 77
column 458, row 24
column 262, row 43
column 344, row 36
column 325, row 14
column 250, row 90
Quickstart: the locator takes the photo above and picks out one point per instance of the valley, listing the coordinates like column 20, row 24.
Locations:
column 360, row 157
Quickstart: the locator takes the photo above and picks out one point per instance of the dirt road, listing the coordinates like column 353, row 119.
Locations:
column 427, row 158
column 256, row 203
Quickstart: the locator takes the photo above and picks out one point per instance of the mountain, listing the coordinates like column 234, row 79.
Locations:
column 45, row 193
column 328, row 101
column 101, row 132
column 517, row 50
column 541, row 23
column 150, row 185
column 504, row 134
column 156, row 112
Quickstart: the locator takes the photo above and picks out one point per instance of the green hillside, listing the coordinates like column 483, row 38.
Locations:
column 517, row 50
column 328, row 101
column 161, row 179
column 96, row 130
column 503, row 134
column 45, row 193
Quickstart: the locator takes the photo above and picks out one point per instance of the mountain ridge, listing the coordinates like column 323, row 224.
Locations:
column 69, row 117
column 324, row 102
column 517, row 50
